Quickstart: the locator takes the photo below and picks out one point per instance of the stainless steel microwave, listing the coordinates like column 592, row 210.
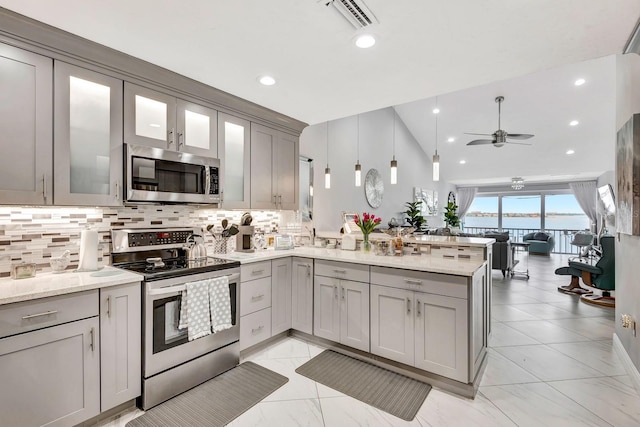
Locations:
column 164, row 176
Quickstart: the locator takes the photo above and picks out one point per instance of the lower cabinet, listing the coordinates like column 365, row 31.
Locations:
column 255, row 328
column 280, row 295
column 302, row 295
column 341, row 311
column 420, row 329
column 120, row 349
column 255, row 302
column 51, row 376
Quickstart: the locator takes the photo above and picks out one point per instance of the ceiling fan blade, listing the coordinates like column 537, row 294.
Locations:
column 519, row 135
column 481, row 141
column 481, row 134
column 518, row 143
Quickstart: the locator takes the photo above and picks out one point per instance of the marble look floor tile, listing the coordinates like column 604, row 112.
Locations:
column 607, row 398
column 315, row 349
column 599, row 355
column 574, row 305
column 324, row 391
column 544, row 296
column 511, row 298
column 539, row 404
column 347, row 411
column 546, row 363
column 588, row 327
column 291, row 413
column 626, row 380
column 546, row 311
column 503, row 335
column 505, row 313
column 287, row 348
column 298, row 387
column 121, row 419
column 442, row 409
column 545, row 332
column 500, row 371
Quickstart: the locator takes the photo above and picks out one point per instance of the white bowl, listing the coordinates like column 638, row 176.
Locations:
column 59, row 264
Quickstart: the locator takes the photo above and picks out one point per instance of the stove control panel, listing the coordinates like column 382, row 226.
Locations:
column 131, row 240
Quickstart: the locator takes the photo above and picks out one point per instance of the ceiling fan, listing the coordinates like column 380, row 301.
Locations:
column 500, row 136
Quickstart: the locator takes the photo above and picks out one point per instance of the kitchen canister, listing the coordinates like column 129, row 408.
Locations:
column 88, row 250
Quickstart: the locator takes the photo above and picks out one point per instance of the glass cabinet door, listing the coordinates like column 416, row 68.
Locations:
column 197, row 129
column 149, row 117
column 87, row 137
column 235, row 161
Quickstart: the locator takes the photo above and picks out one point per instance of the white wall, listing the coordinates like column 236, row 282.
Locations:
column 627, row 247
column 376, row 140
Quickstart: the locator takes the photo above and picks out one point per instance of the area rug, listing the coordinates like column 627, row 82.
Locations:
column 386, row 390
column 216, row 402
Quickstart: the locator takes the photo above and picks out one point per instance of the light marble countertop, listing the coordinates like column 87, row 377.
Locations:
column 457, row 267
column 421, row 239
column 51, row 284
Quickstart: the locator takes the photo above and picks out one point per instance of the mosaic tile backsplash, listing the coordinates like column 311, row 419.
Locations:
column 30, row 234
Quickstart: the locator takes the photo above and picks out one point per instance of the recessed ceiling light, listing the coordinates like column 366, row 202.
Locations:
column 574, row 123
column 436, row 110
column 570, row 152
column 267, row 80
column 451, row 139
column 579, row 82
column 365, row 41
column 462, row 162
column 154, row 125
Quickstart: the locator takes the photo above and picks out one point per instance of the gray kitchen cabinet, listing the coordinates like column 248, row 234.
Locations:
column 302, row 295
column 274, row 169
column 255, row 303
column 341, row 306
column 392, row 324
column 120, row 338
column 51, row 376
column 160, row 120
column 26, row 114
column 280, row 295
column 234, row 150
column 88, row 137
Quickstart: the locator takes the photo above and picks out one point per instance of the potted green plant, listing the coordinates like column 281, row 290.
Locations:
column 451, row 217
column 414, row 215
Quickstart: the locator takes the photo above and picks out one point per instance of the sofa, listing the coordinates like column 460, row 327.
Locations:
column 539, row 242
column 502, row 255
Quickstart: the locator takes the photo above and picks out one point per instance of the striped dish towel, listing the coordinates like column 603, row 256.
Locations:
column 220, row 303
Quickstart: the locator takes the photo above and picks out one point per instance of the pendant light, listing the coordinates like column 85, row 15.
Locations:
column 436, row 158
column 327, row 171
column 358, row 175
column 394, row 162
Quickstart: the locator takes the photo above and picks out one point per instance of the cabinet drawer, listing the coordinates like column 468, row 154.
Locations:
column 255, row 328
column 256, row 270
column 255, row 295
column 342, row 270
column 27, row 316
column 433, row 283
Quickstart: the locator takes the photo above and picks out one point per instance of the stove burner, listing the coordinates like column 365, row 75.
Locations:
column 171, row 267
column 155, row 262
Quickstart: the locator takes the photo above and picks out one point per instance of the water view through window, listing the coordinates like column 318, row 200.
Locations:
column 561, row 212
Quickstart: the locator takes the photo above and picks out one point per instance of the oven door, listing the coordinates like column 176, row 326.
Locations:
column 165, row 345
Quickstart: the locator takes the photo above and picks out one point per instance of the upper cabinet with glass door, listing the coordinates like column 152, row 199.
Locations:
column 88, row 137
column 159, row 120
column 26, row 127
column 234, row 149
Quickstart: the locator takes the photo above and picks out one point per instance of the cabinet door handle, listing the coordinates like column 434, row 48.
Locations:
column 418, row 304
column 335, row 291
column 109, row 306
column 308, row 270
column 180, row 139
column 413, row 281
column 44, row 188
column 256, row 330
column 280, row 200
column 342, row 293
column 46, row 313
column 117, row 194
column 170, row 138
column 92, row 344
column 275, row 200
column 408, row 305
column 257, row 297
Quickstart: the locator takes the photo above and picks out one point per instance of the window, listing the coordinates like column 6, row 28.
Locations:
column 483, row 213
column 562, row 212
column 521, row 212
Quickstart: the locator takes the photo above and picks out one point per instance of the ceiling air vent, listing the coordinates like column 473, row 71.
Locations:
column 356, row 12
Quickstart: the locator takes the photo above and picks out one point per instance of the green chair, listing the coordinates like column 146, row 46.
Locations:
column 600, row 276
column 539, row 242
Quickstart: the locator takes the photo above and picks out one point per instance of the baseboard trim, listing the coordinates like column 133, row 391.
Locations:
column 631, row 369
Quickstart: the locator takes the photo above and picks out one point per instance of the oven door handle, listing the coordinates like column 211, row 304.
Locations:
column 180, row 288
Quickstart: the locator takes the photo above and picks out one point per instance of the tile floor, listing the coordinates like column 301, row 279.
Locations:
column 551, row 363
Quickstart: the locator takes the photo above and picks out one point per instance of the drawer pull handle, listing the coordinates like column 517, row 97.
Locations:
column 257, row 297
column 109, row 306
column 92, row 344
column 413, row 281
column 258, row 329
column 340, row 271
column 46, row 313
column 257, row 271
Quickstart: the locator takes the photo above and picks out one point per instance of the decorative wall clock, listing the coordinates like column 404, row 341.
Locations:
column 373, row 188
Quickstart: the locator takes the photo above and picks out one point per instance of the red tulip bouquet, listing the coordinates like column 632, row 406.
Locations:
column 367, row 223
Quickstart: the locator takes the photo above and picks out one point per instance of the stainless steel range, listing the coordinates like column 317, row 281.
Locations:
column 171, row 363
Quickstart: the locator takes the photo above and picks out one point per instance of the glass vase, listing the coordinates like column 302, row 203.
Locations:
column 366, row 245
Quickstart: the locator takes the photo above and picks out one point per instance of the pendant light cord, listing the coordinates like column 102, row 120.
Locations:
column 327, row 143
column 358, row 144
column 394, row 133
column 436, row 127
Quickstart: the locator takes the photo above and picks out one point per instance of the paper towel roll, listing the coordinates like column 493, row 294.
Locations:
column 88, row 250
